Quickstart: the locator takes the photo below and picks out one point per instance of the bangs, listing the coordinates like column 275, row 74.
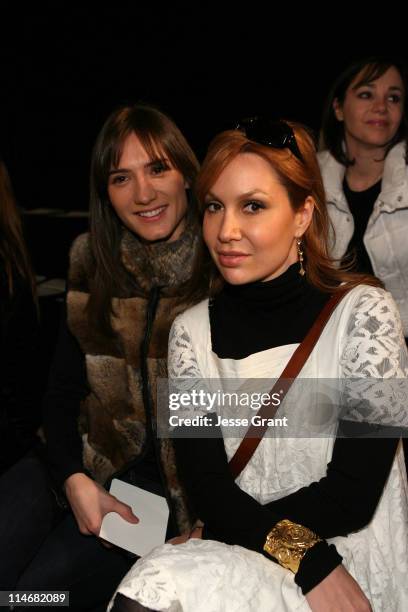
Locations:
column 372, row 72
column 151, row 146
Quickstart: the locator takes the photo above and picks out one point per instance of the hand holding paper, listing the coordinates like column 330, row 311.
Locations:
column 90, row 503
column 153, row 514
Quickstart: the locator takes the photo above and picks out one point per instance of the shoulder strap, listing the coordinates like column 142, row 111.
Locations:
column 254, row 435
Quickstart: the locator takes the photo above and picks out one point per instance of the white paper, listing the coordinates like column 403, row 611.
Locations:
column 152, row 512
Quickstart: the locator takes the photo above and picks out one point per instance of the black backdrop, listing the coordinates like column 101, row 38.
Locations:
column 66, row 65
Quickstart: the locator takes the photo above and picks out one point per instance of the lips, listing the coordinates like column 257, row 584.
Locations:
column 153, row 214
column 378, row 123
column 231, row 259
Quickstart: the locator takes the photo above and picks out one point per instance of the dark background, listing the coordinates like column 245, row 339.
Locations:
column 66, row 66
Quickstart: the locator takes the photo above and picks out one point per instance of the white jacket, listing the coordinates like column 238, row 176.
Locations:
column 386, row 236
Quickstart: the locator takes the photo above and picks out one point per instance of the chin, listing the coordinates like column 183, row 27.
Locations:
column 236, row 277
column 381, row 143
column 379, row 140
column 151, row 233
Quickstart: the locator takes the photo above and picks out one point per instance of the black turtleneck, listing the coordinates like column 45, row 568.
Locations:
column 270, row 314
column 275, row 313
column 361, row 204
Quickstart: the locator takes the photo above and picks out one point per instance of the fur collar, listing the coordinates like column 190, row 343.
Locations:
column 163, row 264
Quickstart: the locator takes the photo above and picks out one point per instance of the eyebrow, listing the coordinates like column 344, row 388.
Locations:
column 151, row 163
column 372, row 86
column 247, row 194
column 118, row 171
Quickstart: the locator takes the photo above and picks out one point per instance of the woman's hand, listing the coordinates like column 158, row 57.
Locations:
column 338, row 592
column 197, row 532
column 90, row 502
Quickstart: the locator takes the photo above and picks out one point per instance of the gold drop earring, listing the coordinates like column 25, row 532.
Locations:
column 302, row 271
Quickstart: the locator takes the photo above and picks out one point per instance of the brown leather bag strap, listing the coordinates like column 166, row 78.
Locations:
column 255, row 434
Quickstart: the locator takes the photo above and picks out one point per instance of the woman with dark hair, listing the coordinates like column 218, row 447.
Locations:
column 365, row 172
column 19, row 402
column 314, row 516
column 125, row 286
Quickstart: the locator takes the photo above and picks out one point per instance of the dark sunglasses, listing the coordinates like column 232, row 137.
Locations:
column 276, row 134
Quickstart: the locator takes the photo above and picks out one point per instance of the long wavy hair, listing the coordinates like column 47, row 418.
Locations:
column 300, row 179
column 367, row 70
column 13, row 250
column 159, row 135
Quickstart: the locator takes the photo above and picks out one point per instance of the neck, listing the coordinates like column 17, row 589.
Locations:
column 165, row 264
column 257, row 316
column 368, row 165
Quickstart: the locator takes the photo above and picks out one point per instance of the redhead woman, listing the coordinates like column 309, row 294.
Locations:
column 310, row 522
column 126, row 284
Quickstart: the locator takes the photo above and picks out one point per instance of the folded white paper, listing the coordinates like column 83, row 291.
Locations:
column 152, row 512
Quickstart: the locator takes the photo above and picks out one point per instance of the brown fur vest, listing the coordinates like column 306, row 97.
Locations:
column 113, row 415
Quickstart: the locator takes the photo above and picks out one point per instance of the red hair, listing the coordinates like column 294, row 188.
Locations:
column 301, row 179
column 13, row 251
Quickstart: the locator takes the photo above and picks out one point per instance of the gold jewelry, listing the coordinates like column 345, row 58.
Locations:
column 288, row 543
column 302, row 271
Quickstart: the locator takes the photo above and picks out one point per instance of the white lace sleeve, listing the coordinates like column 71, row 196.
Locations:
column 375, row 345
column 182, row 362
column 185, row 378
column 375, row 362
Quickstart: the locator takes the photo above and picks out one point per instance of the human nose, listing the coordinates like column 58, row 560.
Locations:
column 229, row 228
column 144, row 191
column 380, row 104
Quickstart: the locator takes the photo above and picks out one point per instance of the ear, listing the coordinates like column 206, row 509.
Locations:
column 304, row 216
column 338, row 111
column 186, row 184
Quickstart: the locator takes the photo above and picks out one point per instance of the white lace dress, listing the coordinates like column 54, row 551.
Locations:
column 363, row 339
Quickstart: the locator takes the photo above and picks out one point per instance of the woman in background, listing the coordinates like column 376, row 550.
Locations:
column 365, row 173
column 19, row 323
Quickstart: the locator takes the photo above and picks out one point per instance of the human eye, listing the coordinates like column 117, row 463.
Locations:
column 159, row 167
column 212, row 206
column 364, row 94
column 118, row 179
column 394, row 98
column 253, row 206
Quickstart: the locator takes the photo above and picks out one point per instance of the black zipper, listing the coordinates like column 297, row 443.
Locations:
column 152, row 304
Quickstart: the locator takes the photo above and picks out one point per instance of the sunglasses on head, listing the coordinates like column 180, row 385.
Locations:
column 276, row 134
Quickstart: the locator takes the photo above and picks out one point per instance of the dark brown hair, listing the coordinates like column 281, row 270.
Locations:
column 368, row 70
column 159, row 135
column 301, row 179
column 13, row 250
